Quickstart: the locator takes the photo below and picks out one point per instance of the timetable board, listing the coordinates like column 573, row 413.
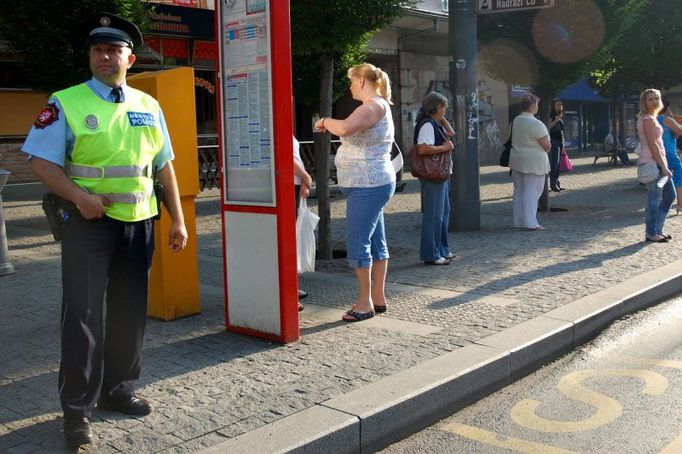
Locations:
column 248, row 152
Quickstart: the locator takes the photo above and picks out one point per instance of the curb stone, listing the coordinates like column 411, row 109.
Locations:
column 376, row 415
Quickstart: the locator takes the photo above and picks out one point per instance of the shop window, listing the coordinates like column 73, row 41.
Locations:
column 205, row 96
column 203, row 54
column 175, row 51
column 153, row 42
column 148, row 55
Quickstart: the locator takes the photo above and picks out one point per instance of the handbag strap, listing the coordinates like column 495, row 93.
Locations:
column 437, row 127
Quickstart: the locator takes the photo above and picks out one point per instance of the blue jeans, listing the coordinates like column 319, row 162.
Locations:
column 434, row 238
column 658, row 204
column 554, row 158
column 365, row 233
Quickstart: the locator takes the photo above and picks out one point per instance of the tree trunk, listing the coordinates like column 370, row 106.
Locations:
column 322, row 147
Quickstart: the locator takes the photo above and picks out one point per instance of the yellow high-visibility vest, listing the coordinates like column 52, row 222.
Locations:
column 114, row 149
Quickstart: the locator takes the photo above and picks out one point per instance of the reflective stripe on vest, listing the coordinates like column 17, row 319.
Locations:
column 97, row 173
column 129, row 198
column 114, row 149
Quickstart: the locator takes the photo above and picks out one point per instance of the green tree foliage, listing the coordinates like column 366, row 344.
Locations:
column 338, row 30
column 551, row 48
column 306, row 72
column 47, row 36
column 647, row 53
column 327, row 38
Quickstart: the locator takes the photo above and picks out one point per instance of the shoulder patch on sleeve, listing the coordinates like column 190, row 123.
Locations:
column 47, row 116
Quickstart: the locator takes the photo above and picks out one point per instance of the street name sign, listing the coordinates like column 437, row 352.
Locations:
column 498, row 6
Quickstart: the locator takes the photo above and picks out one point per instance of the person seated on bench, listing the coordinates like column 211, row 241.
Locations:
column 611, row 144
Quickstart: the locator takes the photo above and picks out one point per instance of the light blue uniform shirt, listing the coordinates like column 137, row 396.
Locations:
column 56, row 141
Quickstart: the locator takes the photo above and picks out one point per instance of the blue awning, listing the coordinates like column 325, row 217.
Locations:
column 581, row 91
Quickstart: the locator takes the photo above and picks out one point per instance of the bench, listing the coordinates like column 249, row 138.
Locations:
column 600, row 152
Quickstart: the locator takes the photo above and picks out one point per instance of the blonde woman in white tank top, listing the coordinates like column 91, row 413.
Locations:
column 366, row 176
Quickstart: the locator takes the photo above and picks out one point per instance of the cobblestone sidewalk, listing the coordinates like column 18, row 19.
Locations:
column 208, row 385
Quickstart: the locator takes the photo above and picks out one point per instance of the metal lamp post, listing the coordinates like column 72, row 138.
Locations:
column 6, row 267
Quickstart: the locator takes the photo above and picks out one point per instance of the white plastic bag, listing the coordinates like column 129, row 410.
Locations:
column 397, row 162
column 306, row 223
column 647, row 172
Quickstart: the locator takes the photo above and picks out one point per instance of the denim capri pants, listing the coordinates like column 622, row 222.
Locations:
column 365, row 232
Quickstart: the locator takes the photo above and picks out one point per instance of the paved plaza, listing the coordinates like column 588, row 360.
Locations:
column 209, row 386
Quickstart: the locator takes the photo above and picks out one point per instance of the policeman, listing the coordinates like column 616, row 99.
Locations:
column 95, row 145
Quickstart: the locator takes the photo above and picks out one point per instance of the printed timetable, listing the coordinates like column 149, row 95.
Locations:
column 247, row 104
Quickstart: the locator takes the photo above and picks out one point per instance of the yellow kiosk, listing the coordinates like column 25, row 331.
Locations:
column 174, row 279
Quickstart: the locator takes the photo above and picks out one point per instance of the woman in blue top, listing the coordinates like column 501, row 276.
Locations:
column 671, row 130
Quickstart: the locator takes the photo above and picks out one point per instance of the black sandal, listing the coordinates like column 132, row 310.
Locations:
column 379, row 309
column 355, row 316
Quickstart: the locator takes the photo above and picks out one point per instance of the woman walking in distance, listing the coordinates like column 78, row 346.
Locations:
column 556, row 136
column 671, row 131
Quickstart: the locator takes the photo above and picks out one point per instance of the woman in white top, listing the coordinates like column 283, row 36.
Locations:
column 432, row 136
column 367, row 177
column 659, row 199
column 528, row 162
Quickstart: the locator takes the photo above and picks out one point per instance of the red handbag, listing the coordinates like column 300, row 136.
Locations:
column 431, row 167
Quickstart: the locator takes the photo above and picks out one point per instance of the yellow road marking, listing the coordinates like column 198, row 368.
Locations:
column 674, row 447
column 502, row 441
column 524, row 413
column 669, row 363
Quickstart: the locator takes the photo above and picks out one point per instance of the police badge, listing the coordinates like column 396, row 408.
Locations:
column 47, row 116
column 91, row 121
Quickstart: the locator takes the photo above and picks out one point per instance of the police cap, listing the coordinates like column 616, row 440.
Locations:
column 107, row 28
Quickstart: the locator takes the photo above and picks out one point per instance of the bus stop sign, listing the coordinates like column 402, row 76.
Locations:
column 498, row 6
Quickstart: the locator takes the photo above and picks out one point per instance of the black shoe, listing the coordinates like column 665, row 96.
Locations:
column 77, row 431
column 135, row 406
column 400, row 187
column 302, row 294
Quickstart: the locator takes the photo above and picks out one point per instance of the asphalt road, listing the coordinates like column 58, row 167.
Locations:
column 622, row 393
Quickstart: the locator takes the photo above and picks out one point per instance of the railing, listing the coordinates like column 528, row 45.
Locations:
column 209, row 167
column 308, row 158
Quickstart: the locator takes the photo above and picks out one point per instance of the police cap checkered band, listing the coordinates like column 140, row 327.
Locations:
column 110, row 36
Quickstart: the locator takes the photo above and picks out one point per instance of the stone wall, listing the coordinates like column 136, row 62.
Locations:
column 14, row 160
column 422, row 73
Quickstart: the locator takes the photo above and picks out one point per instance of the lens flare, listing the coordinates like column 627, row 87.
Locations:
column 510, row 58
column 568, row 32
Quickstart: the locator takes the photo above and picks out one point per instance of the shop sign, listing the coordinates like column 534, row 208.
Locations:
column 182, row 21
column 498, row 6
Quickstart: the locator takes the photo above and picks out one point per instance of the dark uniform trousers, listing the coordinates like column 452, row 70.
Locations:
column 102, row 257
